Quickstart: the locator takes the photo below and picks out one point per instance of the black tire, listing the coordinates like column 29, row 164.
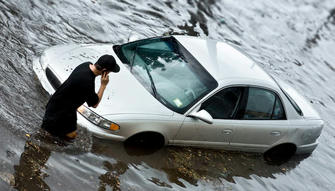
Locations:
column 280, row 154
column 146, row 140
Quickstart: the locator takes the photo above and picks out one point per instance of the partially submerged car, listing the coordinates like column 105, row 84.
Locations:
column 180, row 90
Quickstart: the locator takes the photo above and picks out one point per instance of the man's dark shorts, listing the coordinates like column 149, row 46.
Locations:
column 61, row 127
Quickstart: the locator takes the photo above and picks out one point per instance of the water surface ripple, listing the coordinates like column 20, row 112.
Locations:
column 290, row 39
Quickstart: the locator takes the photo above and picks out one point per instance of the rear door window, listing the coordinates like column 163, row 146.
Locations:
column 261, row 104
column 278, row 112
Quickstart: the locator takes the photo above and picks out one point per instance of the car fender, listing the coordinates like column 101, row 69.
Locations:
column 304, row 132
column 284, row 140
column 166, row 127
column 281, row 142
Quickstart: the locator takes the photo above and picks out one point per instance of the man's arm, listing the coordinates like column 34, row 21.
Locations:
column 104, row 82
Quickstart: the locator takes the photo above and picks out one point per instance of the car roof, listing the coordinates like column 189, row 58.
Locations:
column 224, row 62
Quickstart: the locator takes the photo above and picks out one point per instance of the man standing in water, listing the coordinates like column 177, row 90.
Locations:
column 60, row 117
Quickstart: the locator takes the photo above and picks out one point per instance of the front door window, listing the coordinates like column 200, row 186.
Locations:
column 223, row 105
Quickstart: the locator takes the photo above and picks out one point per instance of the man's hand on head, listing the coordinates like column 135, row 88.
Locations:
column 104, row 82
column 104, row 78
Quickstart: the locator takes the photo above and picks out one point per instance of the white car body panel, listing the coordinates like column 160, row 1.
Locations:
column 223, row 61
column 130, row 105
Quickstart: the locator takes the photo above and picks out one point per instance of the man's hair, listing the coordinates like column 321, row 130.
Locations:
column 98, row 67
column 107, row 62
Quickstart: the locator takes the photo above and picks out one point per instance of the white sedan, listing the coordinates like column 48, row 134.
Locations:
column 179, row 90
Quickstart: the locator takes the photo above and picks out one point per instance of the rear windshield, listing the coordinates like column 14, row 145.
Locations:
column 168, row 71
column 294, row 104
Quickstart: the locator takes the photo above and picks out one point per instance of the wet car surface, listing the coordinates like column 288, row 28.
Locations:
column 292, row 40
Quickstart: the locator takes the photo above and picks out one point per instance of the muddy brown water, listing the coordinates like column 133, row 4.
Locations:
column 290, row 39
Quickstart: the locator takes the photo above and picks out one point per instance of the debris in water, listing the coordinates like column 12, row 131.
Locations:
column 7, row 177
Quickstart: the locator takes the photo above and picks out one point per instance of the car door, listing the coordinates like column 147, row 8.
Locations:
column 261, row 120
column 222, row 106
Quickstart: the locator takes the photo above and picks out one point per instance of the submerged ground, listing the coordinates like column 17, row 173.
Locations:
column 290, row 39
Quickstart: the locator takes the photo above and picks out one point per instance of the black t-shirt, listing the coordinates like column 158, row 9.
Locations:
column 75, row 91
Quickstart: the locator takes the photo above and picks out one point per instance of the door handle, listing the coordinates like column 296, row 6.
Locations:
column 275, row 133
column 227, row 131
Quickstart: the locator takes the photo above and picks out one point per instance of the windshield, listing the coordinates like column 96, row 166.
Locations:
column 168, row 71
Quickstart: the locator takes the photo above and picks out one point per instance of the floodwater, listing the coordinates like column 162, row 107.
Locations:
column 290, row 39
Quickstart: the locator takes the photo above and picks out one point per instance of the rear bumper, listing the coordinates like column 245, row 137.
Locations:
column 304, row 149
column 97, row 131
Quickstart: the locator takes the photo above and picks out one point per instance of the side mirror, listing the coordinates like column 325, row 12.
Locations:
column 203, row 115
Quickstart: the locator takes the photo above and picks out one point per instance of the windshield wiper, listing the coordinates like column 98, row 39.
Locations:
column 133, row 58
column 146, row 69
column 152, row 82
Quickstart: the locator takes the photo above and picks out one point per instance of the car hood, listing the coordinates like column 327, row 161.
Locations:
column 123, row 95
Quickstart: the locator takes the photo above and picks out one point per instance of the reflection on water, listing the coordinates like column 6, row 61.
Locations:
column 190, row 164
column 32, row 169
column 29, row 172
column 111, row 177
column 180, row 164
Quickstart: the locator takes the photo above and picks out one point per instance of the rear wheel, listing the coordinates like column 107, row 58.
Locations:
column 280, row 153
